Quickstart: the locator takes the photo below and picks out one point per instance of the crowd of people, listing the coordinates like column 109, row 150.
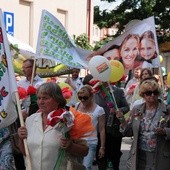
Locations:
column 139, row 110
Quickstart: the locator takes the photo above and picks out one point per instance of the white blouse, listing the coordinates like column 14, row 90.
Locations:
column 43, row 145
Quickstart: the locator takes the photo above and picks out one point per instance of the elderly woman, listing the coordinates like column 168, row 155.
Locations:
column 43, row 140
column 88, row 106
column 150, row 126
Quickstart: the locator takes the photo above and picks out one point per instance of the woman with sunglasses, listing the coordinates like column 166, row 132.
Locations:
column 150, row 127
column 88, row 106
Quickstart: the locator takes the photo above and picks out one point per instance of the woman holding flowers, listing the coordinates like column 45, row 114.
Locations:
column 44, row 141
column 150, row 126
column 88, row 106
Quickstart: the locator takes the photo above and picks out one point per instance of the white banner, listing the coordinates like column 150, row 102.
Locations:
column 54, row 43
column 8, row 113
column 136, row 47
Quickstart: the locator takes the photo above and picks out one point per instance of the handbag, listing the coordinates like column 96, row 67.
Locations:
column 76, row 162
column 113, row 126
column 74, row 165
column 14, row 138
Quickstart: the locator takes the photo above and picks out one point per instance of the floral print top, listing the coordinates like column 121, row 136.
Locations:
column 147, row 138
column 6, row 156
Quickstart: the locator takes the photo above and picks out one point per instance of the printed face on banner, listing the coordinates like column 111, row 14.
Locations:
column 136, row 47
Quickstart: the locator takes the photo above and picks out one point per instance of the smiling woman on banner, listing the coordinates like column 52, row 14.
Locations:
column 129, row 50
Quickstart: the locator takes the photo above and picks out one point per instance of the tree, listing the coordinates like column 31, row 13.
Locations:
column 136, row 9
column 82, row 41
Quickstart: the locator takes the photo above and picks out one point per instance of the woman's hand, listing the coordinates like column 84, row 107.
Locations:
column 24, row 114
column 119, row 114
column 65, row 143
column 22, row 132
column 101, row 152
column 161, row 131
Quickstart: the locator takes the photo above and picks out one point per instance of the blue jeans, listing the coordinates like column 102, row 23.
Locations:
column 88, row 160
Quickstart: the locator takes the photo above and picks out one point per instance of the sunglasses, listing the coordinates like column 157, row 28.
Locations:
column 83, row 97
column 149, row 93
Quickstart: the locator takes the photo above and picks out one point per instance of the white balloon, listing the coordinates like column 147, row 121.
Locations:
column 100, row 68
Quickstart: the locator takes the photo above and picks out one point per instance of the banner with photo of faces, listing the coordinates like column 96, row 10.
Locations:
column 136, row 47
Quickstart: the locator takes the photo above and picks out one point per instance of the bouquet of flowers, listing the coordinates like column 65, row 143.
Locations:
column 23, row 97
column 163, row 120
column 72, row 124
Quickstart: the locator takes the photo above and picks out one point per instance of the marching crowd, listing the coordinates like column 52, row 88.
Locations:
column 139, row 110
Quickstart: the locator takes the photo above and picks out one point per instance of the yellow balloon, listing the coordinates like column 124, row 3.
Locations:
column 160, row 58
column 168, row 79
column 117, row 70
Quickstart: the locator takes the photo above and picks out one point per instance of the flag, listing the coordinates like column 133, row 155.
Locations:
column 55, row 43
column 136, row 47
column 8, row 87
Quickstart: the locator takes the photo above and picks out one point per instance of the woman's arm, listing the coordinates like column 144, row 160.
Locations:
column 22, row 133
column 76, row 147
column 102, row 135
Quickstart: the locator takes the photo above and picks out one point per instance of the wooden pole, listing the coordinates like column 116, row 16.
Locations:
column 28, row 159
column 33, row 72
column 8, row 54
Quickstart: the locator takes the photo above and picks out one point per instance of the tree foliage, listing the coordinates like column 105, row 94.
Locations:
column 136, row 9
column 83, row 42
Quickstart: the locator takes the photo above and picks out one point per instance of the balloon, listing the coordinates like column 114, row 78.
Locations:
column 100, row 68
column 117, row 70
column 66, row 90
column 168, row 79
column 160, row 58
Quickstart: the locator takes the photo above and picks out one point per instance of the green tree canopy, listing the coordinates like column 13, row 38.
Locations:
column 136, row 9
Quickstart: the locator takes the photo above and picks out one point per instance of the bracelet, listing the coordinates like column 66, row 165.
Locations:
column 121, row 119
column 102, row 147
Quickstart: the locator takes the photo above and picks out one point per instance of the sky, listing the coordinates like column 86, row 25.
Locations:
column 105, row 5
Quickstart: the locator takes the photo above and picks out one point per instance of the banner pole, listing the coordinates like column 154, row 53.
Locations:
column 33, row 71
column 28, row 159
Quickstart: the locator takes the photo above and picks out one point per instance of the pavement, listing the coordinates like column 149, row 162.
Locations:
column 125, row 147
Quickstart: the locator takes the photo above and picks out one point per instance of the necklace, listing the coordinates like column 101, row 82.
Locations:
column 148, row 119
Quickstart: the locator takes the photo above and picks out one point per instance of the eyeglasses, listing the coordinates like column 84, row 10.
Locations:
column 83, row 97
column 149, row 93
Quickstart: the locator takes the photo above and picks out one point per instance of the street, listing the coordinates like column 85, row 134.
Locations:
column 126, row 144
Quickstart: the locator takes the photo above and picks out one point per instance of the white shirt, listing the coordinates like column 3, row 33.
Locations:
column 99, row 111
column 37, row 81
column 43, row 146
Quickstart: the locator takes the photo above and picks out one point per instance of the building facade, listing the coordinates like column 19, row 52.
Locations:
column 22, row 17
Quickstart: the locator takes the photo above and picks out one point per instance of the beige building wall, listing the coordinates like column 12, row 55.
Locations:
column 73, row 14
